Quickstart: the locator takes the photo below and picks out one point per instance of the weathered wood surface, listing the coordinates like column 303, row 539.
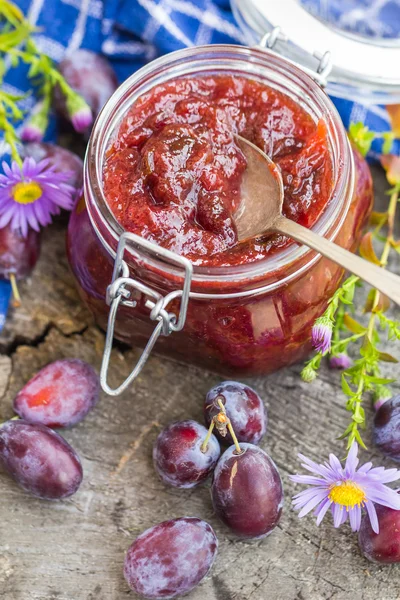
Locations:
column 74, row 550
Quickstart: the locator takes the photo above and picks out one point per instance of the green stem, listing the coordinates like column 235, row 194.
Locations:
column 204, row 446
column 372, row 319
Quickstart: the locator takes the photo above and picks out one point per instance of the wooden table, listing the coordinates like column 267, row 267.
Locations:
column 74, row 550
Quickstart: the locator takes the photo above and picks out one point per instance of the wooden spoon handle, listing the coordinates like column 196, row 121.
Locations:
column 384, row 281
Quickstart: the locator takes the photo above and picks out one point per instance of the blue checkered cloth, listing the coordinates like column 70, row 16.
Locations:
column 132, row 32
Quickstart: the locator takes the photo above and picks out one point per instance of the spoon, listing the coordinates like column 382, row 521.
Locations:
column 260, row 211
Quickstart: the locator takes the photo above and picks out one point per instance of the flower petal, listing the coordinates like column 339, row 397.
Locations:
column 322, row 510
column 355, row 517
column 308, row 479
column 318, row 497
column 383, row 495
column 352, row 460
column 337, row 513
column 372, row 516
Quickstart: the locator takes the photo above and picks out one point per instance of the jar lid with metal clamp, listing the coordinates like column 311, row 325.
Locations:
column 364, row 68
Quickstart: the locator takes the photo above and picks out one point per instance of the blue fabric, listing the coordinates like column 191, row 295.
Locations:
column 132, row 32
column 5, row 295
column 369, row 18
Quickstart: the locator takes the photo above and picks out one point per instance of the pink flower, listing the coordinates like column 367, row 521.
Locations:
column 31, row 194
column 79, row 112
column 345, row 490
column 82, row 119
column 340, row 361
column 31, row 133
column 322, row 334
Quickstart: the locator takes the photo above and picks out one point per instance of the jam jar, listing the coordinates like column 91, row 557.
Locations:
column 237, row 319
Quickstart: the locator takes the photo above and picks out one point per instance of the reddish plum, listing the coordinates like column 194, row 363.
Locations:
column 39, row 460
column 171, row 558
column 91, row 76
column 18, row 254
column 382, row 547
column 60, row 395
column 387, row 428
column 244, row 408
column 247, row 492
column 178, row 457
column 60, row 158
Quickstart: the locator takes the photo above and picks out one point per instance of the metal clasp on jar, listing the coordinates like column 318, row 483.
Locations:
column 119, row 292
column 269, row 40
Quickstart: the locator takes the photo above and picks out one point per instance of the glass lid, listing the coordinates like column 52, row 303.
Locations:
column 362, row 37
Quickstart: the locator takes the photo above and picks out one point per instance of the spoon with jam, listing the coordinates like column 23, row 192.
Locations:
column 260, row 212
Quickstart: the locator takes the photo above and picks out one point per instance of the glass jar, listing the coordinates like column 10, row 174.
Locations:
column 239, row 320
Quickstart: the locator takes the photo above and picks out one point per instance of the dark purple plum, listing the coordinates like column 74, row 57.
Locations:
column 382, row 547
column 171, row 558
column 387, row 428
column 60, row 158
column 177, row 454
column 91, row 76
column 247, row 492
column 18, row 254
column 244, row 408
column 39, row 460
column 59, row 395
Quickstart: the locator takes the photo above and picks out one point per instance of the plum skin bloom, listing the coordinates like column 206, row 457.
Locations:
column 31, row 194
column 345, row 490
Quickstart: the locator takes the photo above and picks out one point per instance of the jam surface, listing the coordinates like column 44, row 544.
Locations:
column 174, row 171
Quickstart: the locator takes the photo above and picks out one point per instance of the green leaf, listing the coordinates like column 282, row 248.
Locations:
column 367, row 249
column 386, row 357
column 382, row 305
column 367, row 350
column 346, row 432
column 362, row 137
column 345, row 387
column 353, row 325
column 358, row 438
column 378, row 218
column 379, row 380
column 388, row 139
column 359, row 414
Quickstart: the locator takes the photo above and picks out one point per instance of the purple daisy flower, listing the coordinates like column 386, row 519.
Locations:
column 340, row 361
column 31, row 194
column 345, row 490
column 322, row 334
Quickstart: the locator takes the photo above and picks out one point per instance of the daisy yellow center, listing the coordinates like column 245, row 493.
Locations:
column 347, row 493
column 26, row 192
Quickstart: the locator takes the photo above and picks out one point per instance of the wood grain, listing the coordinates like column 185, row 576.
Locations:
column 74, row 550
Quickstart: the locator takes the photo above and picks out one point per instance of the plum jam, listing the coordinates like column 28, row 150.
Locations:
column 173, row 174
column 163, row 164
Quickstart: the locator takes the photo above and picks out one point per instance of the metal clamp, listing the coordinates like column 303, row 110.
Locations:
column 269, row 40
column 119, row 292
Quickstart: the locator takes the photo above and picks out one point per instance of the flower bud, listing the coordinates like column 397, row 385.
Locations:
column 79, row 112
column 340, row 361
column 35, row 128
column 322, row 334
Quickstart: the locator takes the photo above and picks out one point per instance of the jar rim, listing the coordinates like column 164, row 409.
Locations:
column 252, row 62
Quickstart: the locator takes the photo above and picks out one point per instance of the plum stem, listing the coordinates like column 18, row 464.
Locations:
column 16, row 297
column 204, row 445
column 230, row 428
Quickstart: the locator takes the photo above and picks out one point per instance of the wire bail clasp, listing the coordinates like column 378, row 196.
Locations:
column 119, row 292
column 270, row 41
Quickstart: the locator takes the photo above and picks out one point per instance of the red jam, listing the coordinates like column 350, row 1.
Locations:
column 173, row 174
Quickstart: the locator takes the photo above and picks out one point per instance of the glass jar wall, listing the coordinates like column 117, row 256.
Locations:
column 249, row 319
